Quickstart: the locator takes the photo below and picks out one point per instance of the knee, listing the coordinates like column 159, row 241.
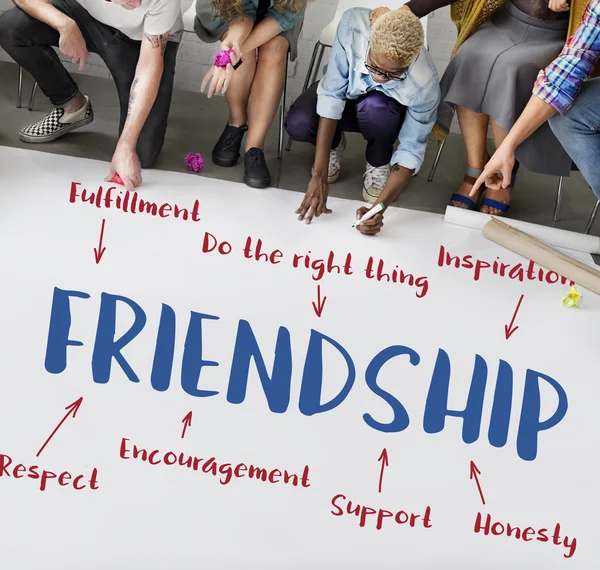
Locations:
column 274, row 51
column 13, row 26
column 298, row 124
column 148, row 155
column 380, row 112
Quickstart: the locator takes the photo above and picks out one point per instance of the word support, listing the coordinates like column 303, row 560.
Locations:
column 343, row 506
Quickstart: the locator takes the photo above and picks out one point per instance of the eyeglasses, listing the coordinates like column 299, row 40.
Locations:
column 388, row 76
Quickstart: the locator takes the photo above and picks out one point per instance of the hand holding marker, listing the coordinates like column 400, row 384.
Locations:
column 370, row 214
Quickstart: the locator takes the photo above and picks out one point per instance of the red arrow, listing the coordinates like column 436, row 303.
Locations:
column 384, row 463
column 320, row 303
column 187, row 422
column 509, row 330
column 72, row 409
column 474, row 475
column 99, row 252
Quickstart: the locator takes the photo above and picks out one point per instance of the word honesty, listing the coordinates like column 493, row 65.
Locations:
column 525, row 534
column 277, row 384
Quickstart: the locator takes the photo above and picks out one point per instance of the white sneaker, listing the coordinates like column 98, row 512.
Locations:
column 375, row 179
column 335, row 159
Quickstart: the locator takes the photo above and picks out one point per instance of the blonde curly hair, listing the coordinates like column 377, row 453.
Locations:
column 233, row 9
column 397, row 36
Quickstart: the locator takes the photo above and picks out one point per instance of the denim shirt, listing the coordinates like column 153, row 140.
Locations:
column 348, row 78
column 286, row 20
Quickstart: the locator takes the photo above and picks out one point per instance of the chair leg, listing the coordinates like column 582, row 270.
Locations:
column 559, row 196
column 282, row 112
column 318, row 64
column 33, row 91
column 592, row 217
column 436, row 161
column 19, row 87
column 309, row 73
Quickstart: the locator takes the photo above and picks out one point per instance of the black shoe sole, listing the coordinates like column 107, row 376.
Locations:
column 257, row 183
column 225, row 162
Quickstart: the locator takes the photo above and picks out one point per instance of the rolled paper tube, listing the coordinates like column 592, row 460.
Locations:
column 553, row 236
column 223, row 58
column 542, row 254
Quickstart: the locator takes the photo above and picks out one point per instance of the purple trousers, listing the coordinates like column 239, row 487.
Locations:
column 375, row 115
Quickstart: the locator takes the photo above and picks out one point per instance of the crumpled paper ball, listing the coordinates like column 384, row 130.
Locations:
column 194, row 161
column 223, row 58
column 572, row 298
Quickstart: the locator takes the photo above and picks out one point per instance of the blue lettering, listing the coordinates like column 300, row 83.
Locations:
column 401, row 420
column 501, row 409
column 529, row 424
column 277, row 386
column 58, row 331
column 436, row 407
column 106, row 347
column 312, row 377
column 162, row 365
column 192, row 363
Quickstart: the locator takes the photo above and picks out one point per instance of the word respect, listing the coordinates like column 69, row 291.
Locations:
column 108, row 349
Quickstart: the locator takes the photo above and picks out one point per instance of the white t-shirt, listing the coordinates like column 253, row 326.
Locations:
column 154, row 17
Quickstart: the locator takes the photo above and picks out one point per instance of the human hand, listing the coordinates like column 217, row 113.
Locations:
column 559, row 5
column 219, row 77
column 72, row 44
column 315, row 199
column 126, row 164
column 497, row 173
column 372, row 226
column 376, row 13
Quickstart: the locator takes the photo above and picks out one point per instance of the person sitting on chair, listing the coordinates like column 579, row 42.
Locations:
column 382, row 83
column 571, row 104
column 138, row 44
column 261, row 33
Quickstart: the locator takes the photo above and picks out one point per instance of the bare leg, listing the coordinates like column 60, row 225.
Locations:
column 238, row 92
column 474, row 128
column 502, row 195
column 266, row 90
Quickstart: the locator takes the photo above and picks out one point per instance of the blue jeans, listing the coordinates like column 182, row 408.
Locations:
column 578, row 130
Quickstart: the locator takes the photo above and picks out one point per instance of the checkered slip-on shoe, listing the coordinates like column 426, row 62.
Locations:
column 57, row 124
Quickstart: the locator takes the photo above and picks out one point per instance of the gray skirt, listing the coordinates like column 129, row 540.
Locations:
column 493, row 73
column 208, row 32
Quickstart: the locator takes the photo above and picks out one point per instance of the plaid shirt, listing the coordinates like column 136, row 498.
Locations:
column 559, row 84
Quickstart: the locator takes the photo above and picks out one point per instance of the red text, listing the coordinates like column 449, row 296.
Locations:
column 131, row 203
column 377, row 270
column 343, row 506
column 489, row 527
column 273, row 257
column 519, row 272
column 321, row 266
column 64, row 479
column 225, row 471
